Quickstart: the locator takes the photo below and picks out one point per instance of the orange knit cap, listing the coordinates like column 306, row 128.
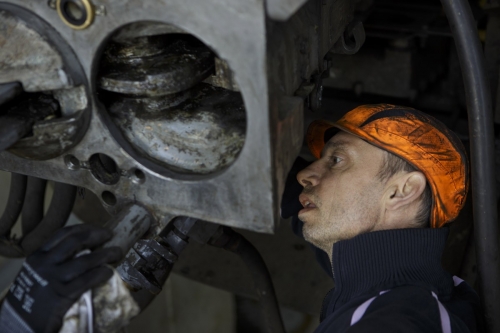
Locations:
column 414, row 136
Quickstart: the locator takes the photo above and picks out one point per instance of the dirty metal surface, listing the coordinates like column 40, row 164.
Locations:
column 154, row 69
column 201, row 135
column 267, row 60
column 242, row 194
column 27, row 57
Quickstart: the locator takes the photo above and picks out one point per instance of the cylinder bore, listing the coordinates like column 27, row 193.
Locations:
column 77, row 14
column 104, row 169
column 168, row 99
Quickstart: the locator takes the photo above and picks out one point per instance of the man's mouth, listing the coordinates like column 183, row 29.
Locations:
column 306, row 202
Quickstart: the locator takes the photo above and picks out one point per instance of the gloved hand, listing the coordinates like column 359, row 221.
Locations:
column 290, row 204
column 54, row 277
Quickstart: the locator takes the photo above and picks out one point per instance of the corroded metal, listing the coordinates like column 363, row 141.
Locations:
column 201, row 135
column 27, row 57
column 144, row 68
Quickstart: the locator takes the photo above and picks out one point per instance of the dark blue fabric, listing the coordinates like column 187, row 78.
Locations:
column 408, row 263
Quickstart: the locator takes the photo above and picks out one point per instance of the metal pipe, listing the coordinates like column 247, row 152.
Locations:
column 32, row 213
column 14, row 203
column 480, row 115
column 57, row 215
column 238, row 244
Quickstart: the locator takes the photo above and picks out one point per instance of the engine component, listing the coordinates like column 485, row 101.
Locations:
column 164, row 111
column 202, row 135
column 19, row 120
column 34, row 55
column 154, row 67
column 187, row 108
column 77, row 14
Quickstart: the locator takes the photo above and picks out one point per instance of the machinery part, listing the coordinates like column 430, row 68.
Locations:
column 351, row 40
column 478, row 97
column 33, row 61
column 19, row 120
column 76, row 14
column 281, row 10
column 57, row 215
column 14, row 205
column 151, row 69
column 234, row 242
column 36, row 56
column 238, row 32
column 33, row 204
column 8, row 91
column 148, row 264
column 128, row 226
column 202, row 135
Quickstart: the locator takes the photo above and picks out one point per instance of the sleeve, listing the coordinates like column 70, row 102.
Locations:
column 408, row 310
column 11, row 322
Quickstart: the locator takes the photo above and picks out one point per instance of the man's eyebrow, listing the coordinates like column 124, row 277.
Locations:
column 335, row 145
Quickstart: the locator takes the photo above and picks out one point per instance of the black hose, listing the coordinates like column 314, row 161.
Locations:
column 57, row 215
column 480, row 115
column 9, row 90
column 14, row 204
column 13, row 129
column 32, row 213
column 238, row 244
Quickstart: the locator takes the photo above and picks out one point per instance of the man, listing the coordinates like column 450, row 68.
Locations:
column 385, row 182
column 384, row 175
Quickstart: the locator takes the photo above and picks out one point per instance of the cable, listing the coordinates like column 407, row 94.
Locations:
column 32, row 213
column 480, row 115
column 14, row 203
column 234, row 242
column 59, row 210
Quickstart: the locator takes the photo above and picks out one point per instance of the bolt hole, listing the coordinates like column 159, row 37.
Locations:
column 72, row 162
column 108, row 198
column 138, row 176
column 74, row 10
column 104, row 169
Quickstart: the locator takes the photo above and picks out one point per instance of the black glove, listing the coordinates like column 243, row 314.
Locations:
column 52, row 278
column 290, row 204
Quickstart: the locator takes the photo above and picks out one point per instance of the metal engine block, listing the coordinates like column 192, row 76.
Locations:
column 191, row 108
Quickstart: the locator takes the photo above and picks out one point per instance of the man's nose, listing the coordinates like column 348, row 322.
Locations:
column 309, row 176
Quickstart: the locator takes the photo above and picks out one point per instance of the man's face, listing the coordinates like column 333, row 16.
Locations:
column 342, row 194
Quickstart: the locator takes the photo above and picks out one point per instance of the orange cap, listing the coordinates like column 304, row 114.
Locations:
column 416, row 137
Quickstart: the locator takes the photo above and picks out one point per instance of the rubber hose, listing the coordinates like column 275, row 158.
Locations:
column 32, row 213
column 477, row 92
column 57, row 215
column 14, row 203
column 12, row 130
column 262, row 280
column 9, row 90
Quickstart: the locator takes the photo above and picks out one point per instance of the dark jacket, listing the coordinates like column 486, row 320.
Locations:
column 393, row 281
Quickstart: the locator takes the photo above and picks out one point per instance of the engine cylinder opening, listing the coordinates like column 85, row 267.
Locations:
column 173, row 101
column 104, row 169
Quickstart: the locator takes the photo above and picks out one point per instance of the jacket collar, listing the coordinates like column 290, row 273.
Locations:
column 386, row 259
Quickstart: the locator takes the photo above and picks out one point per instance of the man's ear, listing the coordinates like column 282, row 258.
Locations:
column 405, row 189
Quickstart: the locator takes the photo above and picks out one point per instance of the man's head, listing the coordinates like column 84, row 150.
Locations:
column 387, row 168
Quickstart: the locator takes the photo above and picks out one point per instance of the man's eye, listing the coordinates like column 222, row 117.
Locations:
column 335, row 160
